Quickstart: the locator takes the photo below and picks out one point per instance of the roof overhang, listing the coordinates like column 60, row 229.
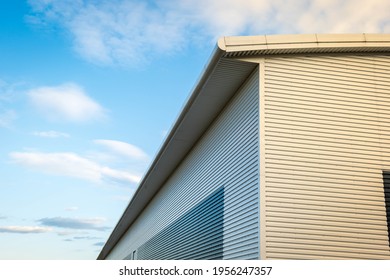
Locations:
column 210, row 95
column 220, row 79
column 305, row 43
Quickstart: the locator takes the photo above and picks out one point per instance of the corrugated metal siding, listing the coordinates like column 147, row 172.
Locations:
column 327, row 140
column 226, row 156
column 197, row 234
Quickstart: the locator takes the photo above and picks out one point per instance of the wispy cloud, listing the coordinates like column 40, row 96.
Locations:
column 3, row 217
column 72, row 208
column 7, row 117
column 51, row 134
column 123, row 149
column 9, row 93
column 106, row 32
column 67, row 102
column 85, row 238
column 24, row 229
column 99, row 244
column 10, row 90
column 66, row 232
column 72, row 165
column 75, row 223
column 127, row 31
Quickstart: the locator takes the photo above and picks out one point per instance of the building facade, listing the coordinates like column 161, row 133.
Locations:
column 281, row 152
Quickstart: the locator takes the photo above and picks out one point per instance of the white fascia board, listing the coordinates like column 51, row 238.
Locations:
column 305, row 41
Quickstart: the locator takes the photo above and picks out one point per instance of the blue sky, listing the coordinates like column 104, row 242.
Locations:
column 89, row 89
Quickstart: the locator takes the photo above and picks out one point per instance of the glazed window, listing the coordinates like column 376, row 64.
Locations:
column 386, row 188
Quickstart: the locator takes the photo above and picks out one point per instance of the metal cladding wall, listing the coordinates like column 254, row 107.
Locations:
column 325, row 144
column 197, row 234
column 211, row 198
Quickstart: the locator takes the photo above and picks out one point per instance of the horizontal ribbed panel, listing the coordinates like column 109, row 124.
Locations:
column 226, row 156
column 327, row 139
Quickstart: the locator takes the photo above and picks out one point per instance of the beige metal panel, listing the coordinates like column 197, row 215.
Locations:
column 343, row 62
column 262, row 169
column 327, row 69
column 314, row 95
column 328, row 218
column 325, row 227
column 326, row 140
column 328, row 251
column 323, row 187
column 309, row 189
column 308, row 89
column 360, row 247
column 312, row 213
column 336, row 82
column 338, row 240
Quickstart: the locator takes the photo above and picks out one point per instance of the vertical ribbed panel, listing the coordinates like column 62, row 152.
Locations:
column 225, row 156
column 327, row 139
column 197, row 234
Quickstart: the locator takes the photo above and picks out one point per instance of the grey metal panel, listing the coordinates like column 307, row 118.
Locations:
column 327, row 139
column 225, row 156
column 197, row 234
column 218, row 83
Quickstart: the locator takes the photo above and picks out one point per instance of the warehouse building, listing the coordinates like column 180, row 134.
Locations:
column 282, row 151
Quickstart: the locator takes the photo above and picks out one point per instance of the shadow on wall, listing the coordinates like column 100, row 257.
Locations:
column 197, row 234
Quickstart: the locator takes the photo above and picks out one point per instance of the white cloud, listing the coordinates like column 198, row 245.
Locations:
column 99, row 244
column 66, row 102
column 235, row 17
column 112, row 32
column 24, row 229
column 67, row 232
column 50, row 134
column 86, row 237
column 72, row 208
column 126, row 31
column 72, row 165
column 123, row 149
column 75, row 223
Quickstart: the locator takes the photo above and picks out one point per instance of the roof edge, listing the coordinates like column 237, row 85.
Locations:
column 301, row 41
